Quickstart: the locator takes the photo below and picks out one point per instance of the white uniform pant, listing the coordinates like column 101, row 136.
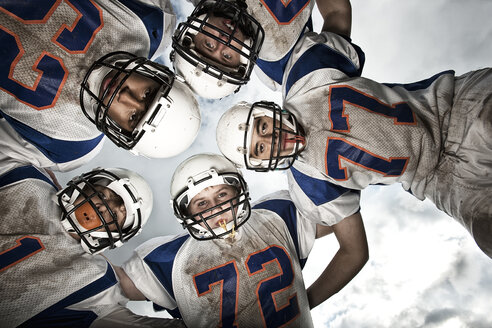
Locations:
column 124, row 318
column 461, row 184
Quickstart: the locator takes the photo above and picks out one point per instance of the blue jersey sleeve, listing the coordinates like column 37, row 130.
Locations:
column 24, row 172
column 56, row 150
column 325, row 50
column 161, row 261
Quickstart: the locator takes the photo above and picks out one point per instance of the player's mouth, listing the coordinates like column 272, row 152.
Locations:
column 107, row 83
column 223, row 224
column 290, row 141
column 228, row 26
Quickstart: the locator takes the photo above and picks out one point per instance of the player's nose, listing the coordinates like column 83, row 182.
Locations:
column 130, row 100
column 223, row 37
column 215, row 209
column 266, row 138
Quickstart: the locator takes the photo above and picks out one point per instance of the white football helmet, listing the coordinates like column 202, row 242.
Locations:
column 89, row 213
column 197, row 173
column 206, row 77
column 235, row 130
column 172, row 110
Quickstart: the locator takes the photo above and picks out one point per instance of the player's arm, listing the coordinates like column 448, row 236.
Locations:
column 129, row 288
column 347, row 262
column 337, row 16
column 53, row 178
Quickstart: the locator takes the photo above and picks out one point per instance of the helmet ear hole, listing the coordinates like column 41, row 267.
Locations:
column 187, row 41
column 241, row 70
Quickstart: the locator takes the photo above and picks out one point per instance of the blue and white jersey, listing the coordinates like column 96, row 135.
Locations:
column 46, row 279
column 315, row 195
column 283, row 23
column 253, row 281
column 319, row 199
column 360, row 132
column 47, row 48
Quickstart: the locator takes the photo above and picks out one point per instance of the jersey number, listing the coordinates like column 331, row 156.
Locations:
column 26, row 247
column 339, row 148
column 50, row 69
column 284, row 11
column 226, row 277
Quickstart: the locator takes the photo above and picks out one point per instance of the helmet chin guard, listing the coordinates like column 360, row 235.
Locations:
column 172, row 113
column 235, row 129
column 198, row 173
column 90, row 214
column 205, row 76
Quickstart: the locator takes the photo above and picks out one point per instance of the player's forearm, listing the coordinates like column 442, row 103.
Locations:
column 128, row 286
column 337, row 16
column 340, row 271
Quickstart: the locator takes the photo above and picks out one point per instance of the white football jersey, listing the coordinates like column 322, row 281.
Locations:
column 47, row 48
column 255, row 281
column 360, row 132
column 283, row 23
column 45, row 276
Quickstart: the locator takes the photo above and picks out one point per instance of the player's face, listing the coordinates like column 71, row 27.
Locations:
column 215, row 50
column 88, row 218
column 210, row 197
column 261, row 139
column 132, row 100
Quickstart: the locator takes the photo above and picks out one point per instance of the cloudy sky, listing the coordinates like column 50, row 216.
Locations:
column 424, row 269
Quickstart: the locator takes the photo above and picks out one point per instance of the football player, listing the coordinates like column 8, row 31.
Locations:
column 239, row 264
column 342, row 133
column 50, row 48
column 48, row 272
column 216, row 49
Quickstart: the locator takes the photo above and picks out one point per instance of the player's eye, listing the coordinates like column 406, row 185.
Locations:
column 262, row 148
column 202, row 203
column 222, row 194
column 146, row 93
column 209, row 45
column 264, row 128
column 227, row 56
column 100, row 207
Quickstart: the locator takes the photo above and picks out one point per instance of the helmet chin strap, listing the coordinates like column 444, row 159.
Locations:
column 95, row 242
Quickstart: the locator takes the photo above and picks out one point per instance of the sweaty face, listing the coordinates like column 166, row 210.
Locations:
column 88, row 218
column 261, row 139
column 213, row 49
column 210, row 197
column 131, row 101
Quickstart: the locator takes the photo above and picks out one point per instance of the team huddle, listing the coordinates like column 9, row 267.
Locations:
column 80, row 71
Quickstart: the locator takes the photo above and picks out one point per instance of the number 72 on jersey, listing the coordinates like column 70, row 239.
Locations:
column 226, row 277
